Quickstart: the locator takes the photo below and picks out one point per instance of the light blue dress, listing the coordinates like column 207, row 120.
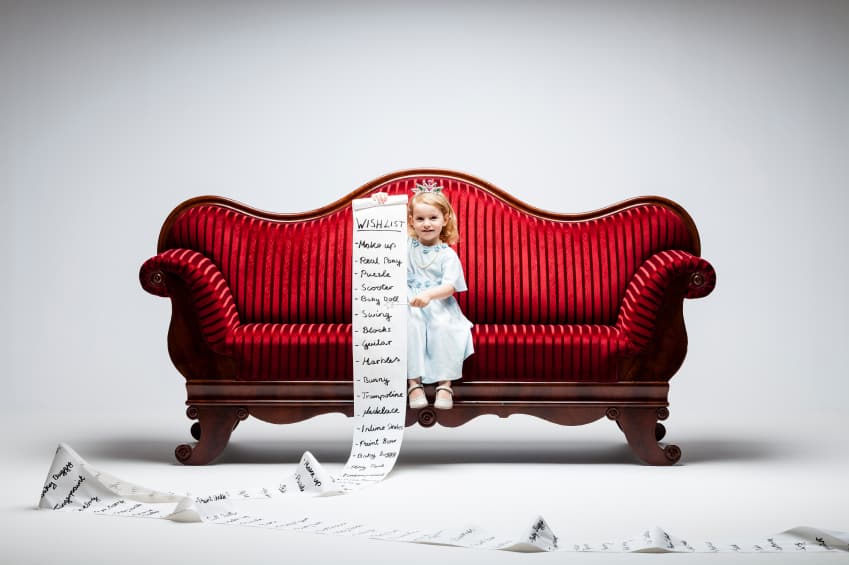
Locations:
column 439, row 336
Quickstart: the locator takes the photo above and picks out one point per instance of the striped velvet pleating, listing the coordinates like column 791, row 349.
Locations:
column 296, row 352
column 522, row 268
column 551, row 299
column 213, row 300
column 277, row 271
column 644, row 295
column 544, row 352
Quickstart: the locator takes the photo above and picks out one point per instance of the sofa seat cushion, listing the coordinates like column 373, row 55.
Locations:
column 545, row 353
column 292, row 352
column 503, row 352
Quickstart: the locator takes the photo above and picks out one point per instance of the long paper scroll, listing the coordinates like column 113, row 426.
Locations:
column 379, row 336
column 73, row 485
column 379, row 339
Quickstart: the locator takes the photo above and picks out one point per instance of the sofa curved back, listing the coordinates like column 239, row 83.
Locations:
column 522, row 265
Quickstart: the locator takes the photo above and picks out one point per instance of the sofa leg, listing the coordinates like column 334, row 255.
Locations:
column 659, row 430
column 195, row 429
column 642, row 431
column 213, row 429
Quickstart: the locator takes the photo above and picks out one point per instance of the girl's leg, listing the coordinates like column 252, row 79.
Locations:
column 415, row 358
column 444, row 396
column 415, row 393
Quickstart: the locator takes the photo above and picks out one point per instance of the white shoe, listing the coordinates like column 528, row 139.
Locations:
column 419, row 401
column 442, row 403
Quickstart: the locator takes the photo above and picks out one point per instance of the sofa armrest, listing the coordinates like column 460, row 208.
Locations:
column 666, row 277
column 205, row 285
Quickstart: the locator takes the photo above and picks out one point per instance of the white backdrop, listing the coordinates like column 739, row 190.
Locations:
column 113, row 113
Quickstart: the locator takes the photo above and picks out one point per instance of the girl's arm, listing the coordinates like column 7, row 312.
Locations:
column 434, row 293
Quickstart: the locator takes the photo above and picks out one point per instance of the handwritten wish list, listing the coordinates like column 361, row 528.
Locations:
column 379, row 335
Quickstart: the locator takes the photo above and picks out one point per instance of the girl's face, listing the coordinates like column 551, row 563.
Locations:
column 427, row 223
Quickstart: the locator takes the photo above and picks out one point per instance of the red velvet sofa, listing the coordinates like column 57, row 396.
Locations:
column 577, row 316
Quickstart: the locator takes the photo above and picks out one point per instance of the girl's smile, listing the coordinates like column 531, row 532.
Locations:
column 428, row 222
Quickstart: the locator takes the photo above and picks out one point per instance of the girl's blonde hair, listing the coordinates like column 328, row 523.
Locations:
column 449, row 233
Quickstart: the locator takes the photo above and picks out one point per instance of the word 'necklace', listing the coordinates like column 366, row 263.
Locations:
column 429, row 263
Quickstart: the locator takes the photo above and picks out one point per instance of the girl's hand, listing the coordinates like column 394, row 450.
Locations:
column 380, row 197
column 433, row 293
column 420, row 301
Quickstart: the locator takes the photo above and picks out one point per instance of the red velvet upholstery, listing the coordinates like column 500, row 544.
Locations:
column 645, row 293
column 551, row 299
column 212, row 297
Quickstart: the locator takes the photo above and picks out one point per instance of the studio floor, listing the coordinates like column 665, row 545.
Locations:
column 735, row 481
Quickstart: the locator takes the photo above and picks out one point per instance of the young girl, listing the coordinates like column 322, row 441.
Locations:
column 439, row 336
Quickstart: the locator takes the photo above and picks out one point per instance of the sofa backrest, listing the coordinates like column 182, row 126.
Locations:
column 522, row 265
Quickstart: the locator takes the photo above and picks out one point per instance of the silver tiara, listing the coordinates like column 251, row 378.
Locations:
column 427, row 186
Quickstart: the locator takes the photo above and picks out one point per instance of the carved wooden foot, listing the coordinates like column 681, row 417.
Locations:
column 216, row 423
column 195, row 429
column 643, row 432
column 659, row 430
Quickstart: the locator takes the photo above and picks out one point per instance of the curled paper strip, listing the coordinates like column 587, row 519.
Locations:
column 72, row 485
